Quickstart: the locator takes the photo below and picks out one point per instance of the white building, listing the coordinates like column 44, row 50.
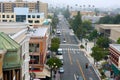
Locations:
column 18, row 32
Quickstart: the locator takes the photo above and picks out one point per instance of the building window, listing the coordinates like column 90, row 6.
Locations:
column 12, row 16
column 33, row 16
column 38, row 16
column 7, row 16
column 3, row 16
column 29, row 16
column 4, row 21
column 37, row 21
column 30, row 21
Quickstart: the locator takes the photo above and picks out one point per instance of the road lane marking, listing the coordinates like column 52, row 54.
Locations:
column 80, row 69
column 75, row 77
column 70, row 58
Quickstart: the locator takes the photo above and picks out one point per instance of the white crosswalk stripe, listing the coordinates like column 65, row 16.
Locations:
column 71, row 50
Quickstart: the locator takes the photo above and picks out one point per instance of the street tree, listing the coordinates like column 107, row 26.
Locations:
column 54, row 61
column 93, row 35
column 54, row 64
column 118, row 41
column 103, row 42
column 55, row 42
column 99, row 53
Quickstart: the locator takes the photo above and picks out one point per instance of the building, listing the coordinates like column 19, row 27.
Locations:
column 23, row 15
column 115, row 58
column 18, row 32
column 109, row 30
column 38, row 46
column 33, row 6
column 7, row 17
column 11, row 61
column 2, row 53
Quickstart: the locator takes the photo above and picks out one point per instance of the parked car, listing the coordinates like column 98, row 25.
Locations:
column 61, row 70
column 79, row 78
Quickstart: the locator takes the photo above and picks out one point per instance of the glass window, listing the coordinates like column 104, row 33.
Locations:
column 4, row 20
column 3, row 16
column 37, row 21
column 30, row 21
column 7, row 16
column 33, row 16
column 12, row 16
column 38, row 16
column 29, row 16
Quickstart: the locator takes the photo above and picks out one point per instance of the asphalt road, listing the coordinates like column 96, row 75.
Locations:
column 74, row 59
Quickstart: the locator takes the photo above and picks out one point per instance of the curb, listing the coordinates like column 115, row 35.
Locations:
column 94, row 68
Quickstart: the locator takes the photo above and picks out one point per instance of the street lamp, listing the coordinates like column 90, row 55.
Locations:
column 53, row 68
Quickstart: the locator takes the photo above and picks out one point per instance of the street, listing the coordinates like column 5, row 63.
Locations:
column 74, row 59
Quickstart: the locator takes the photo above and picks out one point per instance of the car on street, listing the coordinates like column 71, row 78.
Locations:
column 79, row 78
column 64, row 41
column 61, row 70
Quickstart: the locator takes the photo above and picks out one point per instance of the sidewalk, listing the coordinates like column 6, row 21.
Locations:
column 56, row 76
column 91, row 60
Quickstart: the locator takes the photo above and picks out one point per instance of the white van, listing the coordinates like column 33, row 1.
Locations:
column 60, row 57
column 59, row 52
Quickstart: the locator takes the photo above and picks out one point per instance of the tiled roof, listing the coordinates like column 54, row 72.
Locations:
column 12, row 56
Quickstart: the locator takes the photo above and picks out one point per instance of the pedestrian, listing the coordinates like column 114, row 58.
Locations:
column 86, row 65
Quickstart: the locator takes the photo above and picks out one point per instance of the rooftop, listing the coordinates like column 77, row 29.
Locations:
column 39, row 32
column 116, row 46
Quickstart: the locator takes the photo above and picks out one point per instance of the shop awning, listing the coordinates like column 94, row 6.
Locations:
column 43, row 74
column 116, row 70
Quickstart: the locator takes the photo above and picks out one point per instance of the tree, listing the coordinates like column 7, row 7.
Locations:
column 103, row 42
column 55, row 44
column 77, row 22
column 93, row 35
column 118, row 41
column 54, row 63
column 99, row 53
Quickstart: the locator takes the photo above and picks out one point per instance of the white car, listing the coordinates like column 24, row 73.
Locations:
column 61, row 70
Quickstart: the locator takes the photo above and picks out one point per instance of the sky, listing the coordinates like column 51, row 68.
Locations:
column 96, row 3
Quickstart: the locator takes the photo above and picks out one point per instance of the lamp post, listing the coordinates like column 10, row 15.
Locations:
column 53, row 68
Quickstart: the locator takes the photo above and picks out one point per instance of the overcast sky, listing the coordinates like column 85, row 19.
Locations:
column 97, row 3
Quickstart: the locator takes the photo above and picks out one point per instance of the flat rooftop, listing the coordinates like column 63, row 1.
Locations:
column 116, row 46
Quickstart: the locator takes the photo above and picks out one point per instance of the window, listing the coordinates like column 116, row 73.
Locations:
column 7, row 16
column 4, row 21
column 29, row 16
column 3, row 16
column 37, row 21
column 33, row 16
column 30, row 21
column 12, row 16
column 38, row 16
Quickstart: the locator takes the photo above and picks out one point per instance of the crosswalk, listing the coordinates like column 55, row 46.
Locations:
column 71, row 50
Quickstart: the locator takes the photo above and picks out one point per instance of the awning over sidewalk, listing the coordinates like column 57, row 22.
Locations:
column 116, row 70
column 43, row 74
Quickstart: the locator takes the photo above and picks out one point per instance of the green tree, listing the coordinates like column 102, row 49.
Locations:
column 118, row 41
column 66, row 13
column 93, row 35
column 55, row 42
column 106, row 20
column 99, row 53
column 54, row 47
column 103, row 42
column 117, row 19
column 53, row 61
column 77, row 22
